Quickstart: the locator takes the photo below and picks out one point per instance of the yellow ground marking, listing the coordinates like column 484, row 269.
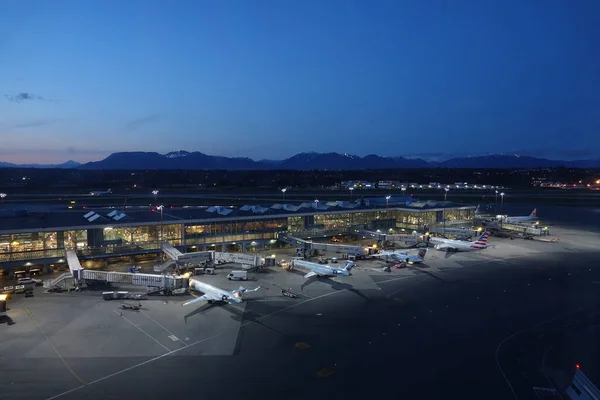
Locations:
column 302, row 345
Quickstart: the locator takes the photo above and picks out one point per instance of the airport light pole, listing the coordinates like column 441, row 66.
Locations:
column 387, row 201
column 403, row 190
column 502, row 202
column 2, row 196
column 283, row 192
column 316, row 214
column 444, row 210
column 161, row 222
column 155, row 192
column 496, row 201
column 351, row 190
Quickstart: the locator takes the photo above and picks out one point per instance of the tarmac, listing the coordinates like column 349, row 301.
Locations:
column 468, row 325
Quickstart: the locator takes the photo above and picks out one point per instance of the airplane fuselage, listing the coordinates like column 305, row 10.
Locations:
column 456, row 245
column 213, row 291
column 460, row 245
column 320, row 270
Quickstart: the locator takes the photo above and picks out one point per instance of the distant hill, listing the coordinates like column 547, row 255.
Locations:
column 68, row 164
column 304, row 161
column 503, row 161
column 182, row 160
column 321, row 161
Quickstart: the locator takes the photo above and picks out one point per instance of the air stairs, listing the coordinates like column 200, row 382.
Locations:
column 65, row 281
column 162, row 267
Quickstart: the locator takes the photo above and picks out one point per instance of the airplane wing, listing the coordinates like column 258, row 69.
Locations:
column 199, row 300
column 310, row 275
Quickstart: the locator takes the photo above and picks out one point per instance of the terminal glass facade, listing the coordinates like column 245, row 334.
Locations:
column 248, row 233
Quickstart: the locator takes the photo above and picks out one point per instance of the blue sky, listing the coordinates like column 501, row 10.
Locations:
column 269, row 79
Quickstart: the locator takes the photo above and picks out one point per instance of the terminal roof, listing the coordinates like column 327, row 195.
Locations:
column 45, row 219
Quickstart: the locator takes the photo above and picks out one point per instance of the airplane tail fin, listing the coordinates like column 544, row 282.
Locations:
column 533, row 213
column 243, row 290
column 482, row 240
column 422, row 253
column 477, row 209
column 349, row 266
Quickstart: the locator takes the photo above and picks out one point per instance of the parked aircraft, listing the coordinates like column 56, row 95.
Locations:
column 215, row 294
column 403, row 256
column 322, row 270
column 461, row 245
column 517, row 220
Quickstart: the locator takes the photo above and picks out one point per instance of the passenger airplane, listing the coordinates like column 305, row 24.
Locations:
column 517, row 220
column 100, row 193
column 214, row 294
column 322, row 270
column 403, row 256
column 461, row 245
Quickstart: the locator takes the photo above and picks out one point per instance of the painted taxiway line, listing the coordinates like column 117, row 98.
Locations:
column 191, row 344
column 141, row 330
column 165, row 329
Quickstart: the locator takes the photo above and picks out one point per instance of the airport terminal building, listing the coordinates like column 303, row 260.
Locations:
column 40, row 238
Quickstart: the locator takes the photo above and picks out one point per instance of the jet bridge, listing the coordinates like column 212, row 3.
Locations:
column 406, row 240
column 171, row 251
column 460, row 233
column 66, row 279
column 79, row 276
column 336, row 248
column 179, row 257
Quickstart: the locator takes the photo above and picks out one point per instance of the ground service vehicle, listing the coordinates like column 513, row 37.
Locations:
column 238, row 275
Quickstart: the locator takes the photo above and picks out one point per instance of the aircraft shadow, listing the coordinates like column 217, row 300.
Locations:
column 201, row 309
column 247, row 315
column 449, row 254
column 335, row 285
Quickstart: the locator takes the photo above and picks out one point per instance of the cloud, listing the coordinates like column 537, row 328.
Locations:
column 39, row 155
column 24, row 96
column 137, row 123
column 35, row 123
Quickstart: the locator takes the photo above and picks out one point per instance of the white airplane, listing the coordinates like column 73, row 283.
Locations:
column 402, row 256
column 215, row 294
column 322, row 270
column 517, row 220
column 461, row 245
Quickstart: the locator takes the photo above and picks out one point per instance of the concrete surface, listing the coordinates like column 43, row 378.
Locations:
column 435, row 330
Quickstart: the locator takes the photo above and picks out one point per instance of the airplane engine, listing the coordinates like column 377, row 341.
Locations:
column 224, row 297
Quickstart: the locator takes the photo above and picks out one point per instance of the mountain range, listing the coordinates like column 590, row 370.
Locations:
column 304, row 161
column 68, row 164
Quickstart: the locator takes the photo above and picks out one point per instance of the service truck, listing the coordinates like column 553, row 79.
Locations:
column 238, row 275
